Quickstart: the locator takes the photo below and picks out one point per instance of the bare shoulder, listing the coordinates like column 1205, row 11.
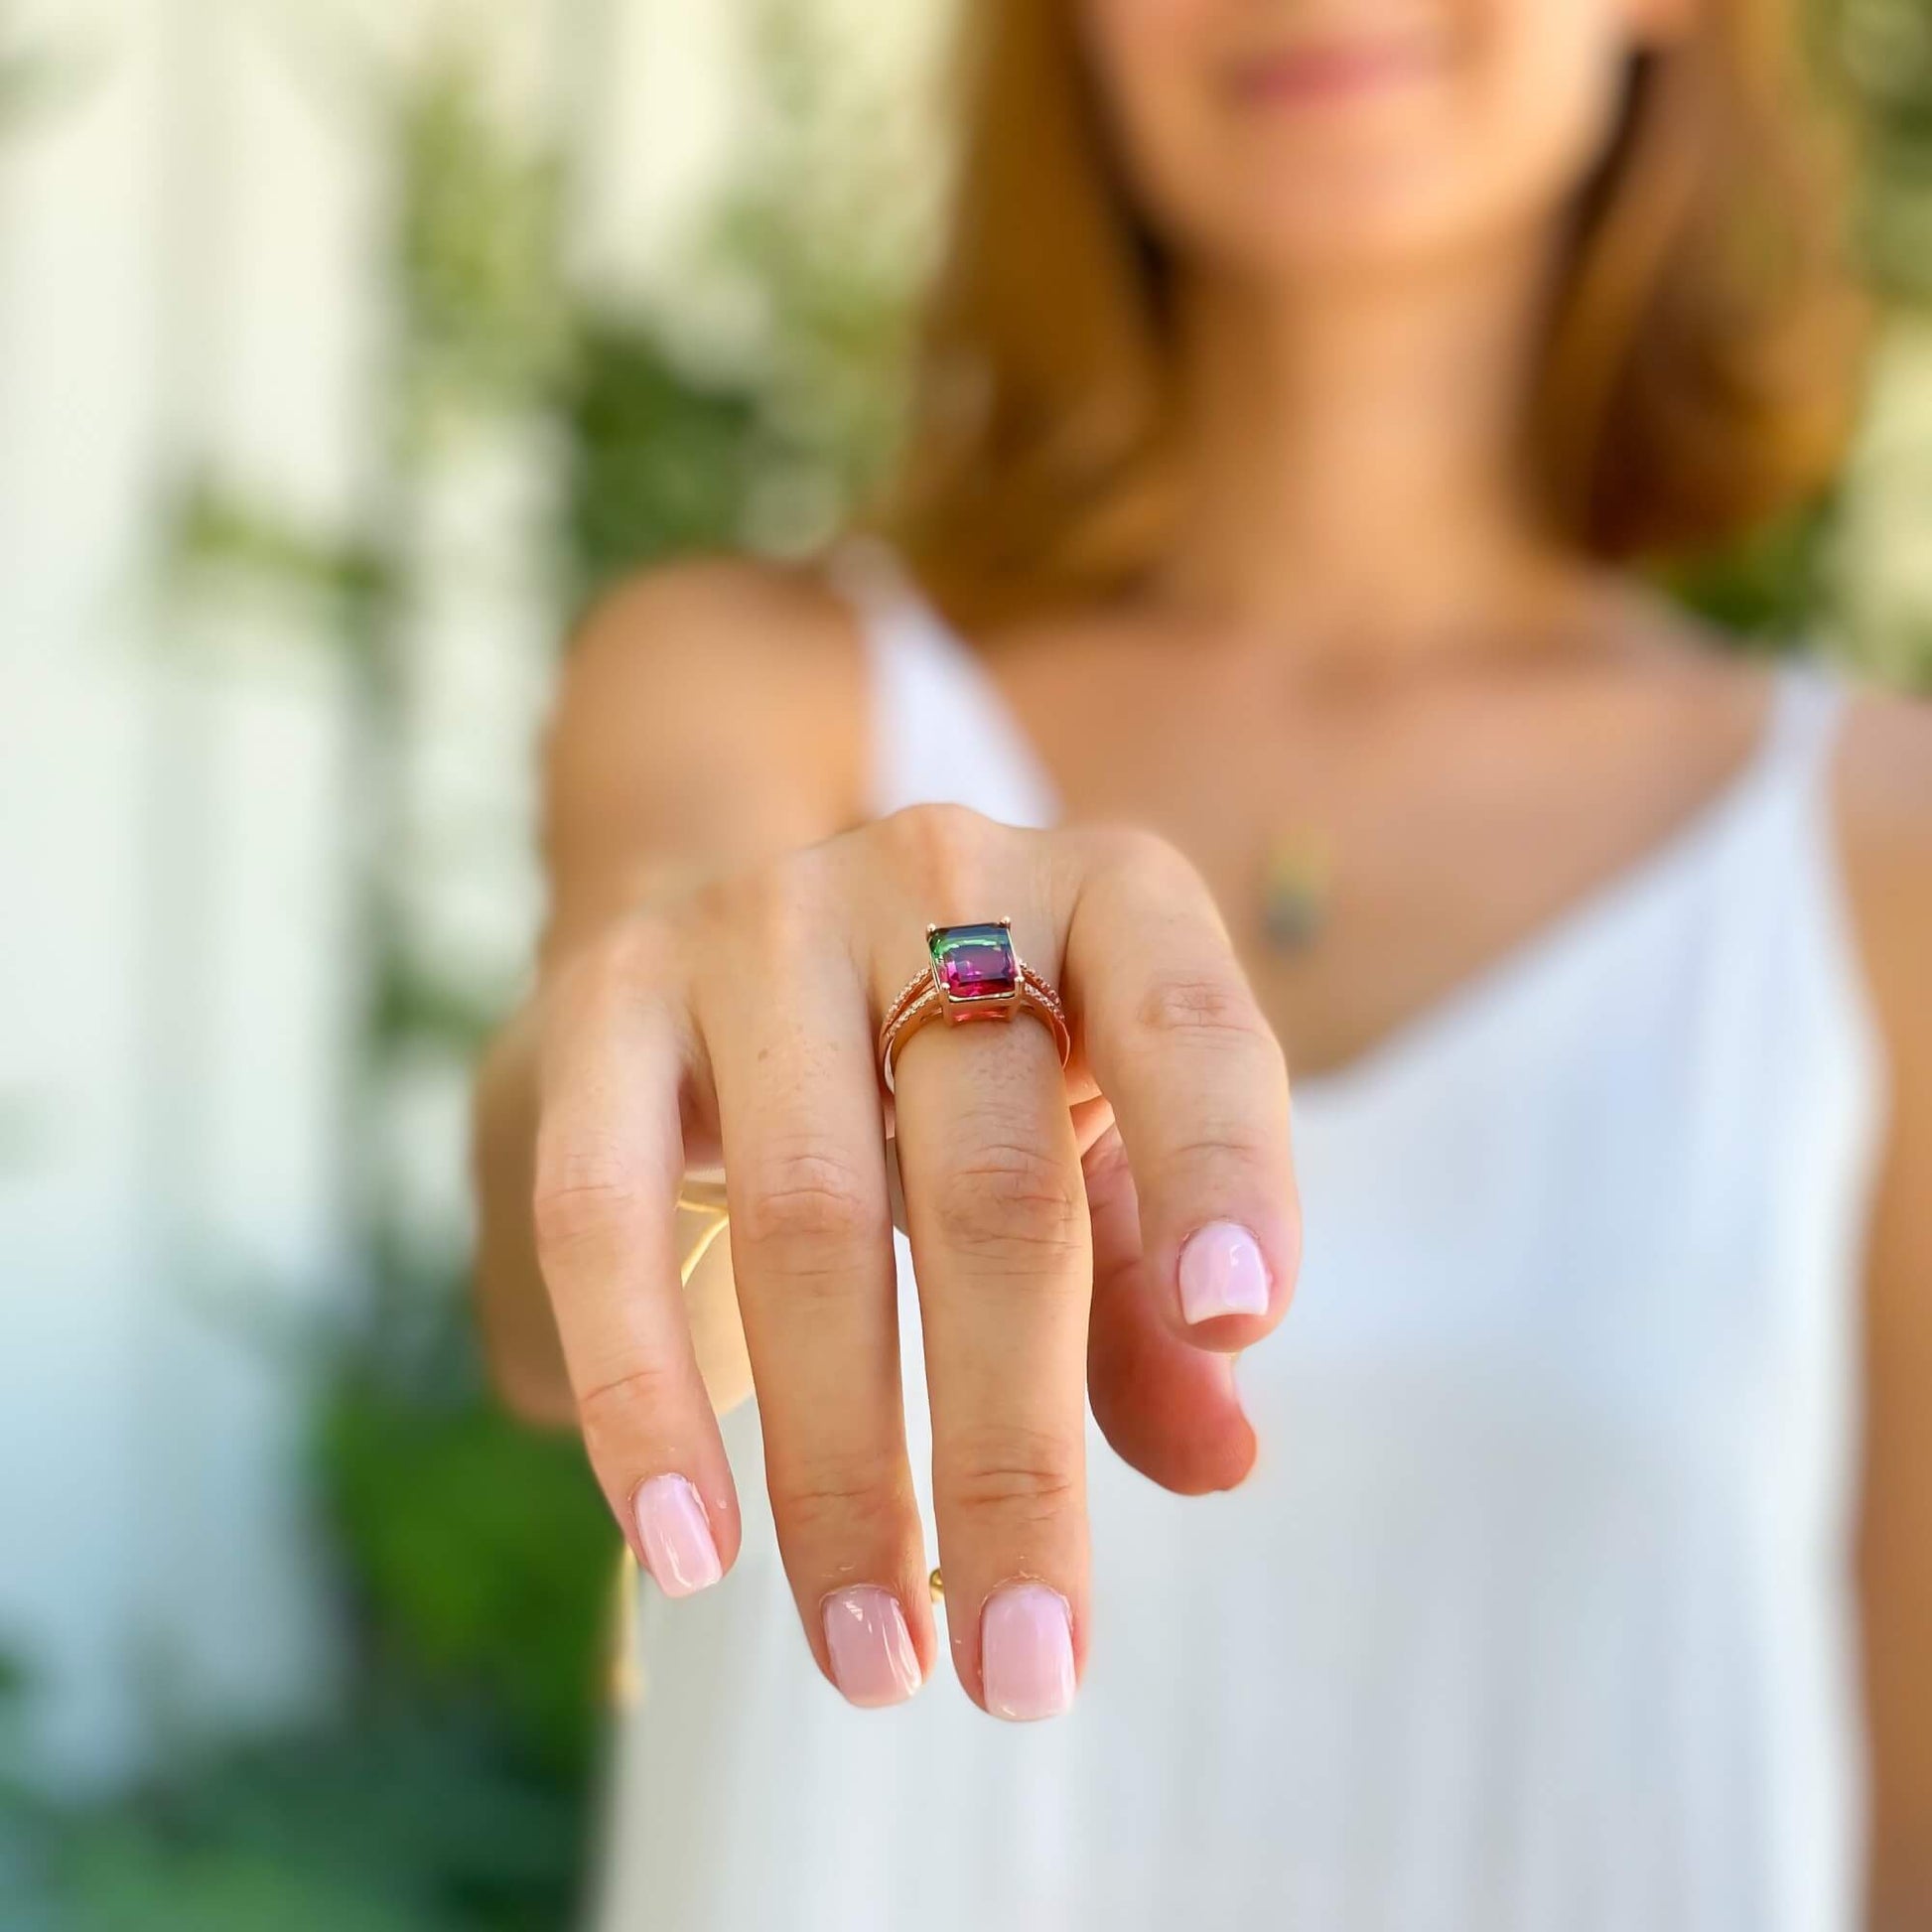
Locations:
column 708, row 711
column 721, row 669
column 1885, row 797
column 1885, row 771
column 1884, row 787
column 727, row 655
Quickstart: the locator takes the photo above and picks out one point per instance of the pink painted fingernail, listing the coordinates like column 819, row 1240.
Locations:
column 672, row 1524
column 1222, row 1273
column 873, row 1659
column 1027, row 1653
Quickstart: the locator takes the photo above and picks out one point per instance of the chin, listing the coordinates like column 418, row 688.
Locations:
column 1353, row 223
column 1327, row 207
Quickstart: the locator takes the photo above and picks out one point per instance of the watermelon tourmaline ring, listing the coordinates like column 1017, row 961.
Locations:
column 973, row 973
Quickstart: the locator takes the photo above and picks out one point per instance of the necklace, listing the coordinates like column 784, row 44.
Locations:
column 1296, row 888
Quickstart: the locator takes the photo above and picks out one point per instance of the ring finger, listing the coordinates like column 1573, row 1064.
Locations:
column 996, row 1208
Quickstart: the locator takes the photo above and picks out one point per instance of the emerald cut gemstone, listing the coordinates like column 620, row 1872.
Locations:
column 974, row 962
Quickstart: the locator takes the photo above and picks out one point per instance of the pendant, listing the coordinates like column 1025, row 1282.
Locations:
column 1296, row 888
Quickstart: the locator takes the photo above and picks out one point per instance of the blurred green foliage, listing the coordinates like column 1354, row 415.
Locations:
column 637, row 493
column 1873, row 63
column 35, row 75
column 475, row 1561
column 1768, row 591
column 766, row 442
column 1879, row 54
column 387, row 1820
column 485, row 318
column 483, row 1560
column 448, row 1791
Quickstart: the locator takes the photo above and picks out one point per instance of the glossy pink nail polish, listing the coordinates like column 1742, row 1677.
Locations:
column 1027, row 1653
column 672, row 1524
column 872, row 1660
column 1222, row 1273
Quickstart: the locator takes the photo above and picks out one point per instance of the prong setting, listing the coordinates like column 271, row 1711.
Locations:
column 975, row 969
column 972, row 972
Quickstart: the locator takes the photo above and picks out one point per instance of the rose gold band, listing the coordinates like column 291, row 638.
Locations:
column 922, row 999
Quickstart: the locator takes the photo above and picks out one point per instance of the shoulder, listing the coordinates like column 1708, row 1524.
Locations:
column 716, row 646
column 715, row 674
column 1882, row 787
column 708, row 715
column 704, row 603
column 1885, row 778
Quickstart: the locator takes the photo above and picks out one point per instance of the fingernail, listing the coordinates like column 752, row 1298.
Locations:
column 672, row 1524
column 1027, row 1653
column 873, row 1659
column 1222, row 1273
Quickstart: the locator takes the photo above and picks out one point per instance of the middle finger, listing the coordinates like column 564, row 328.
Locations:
column 788, row 1029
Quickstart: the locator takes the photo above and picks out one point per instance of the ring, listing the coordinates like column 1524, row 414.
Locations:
column 973, row 974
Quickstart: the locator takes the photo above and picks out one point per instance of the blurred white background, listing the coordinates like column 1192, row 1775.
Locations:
column 196, row 208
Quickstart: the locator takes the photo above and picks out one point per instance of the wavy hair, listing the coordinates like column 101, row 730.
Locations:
column 1698, row 375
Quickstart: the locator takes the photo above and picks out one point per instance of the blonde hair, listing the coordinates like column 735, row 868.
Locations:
column 1698, row 377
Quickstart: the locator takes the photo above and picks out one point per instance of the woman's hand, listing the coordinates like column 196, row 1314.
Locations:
column 739, row 1027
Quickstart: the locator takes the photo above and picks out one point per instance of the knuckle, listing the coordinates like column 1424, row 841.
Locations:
column 821, row 1499
column 769, row 912
column 1131, row 868
column 1129, row 871
column 1018, row 1477
column 582, row 1201
column 1136, row 851
column 711, row 906
column 1225, row 1153
column 636, row 948
column 809, row 1201
column 633, row 956
column 738, row 902
column 788, row 916
column 1010, row 1203
column 939, row 843
column 643, row 1399
column 1204, row 1006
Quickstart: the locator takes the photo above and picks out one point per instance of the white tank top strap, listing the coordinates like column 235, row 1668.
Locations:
column 940, row 731
column 1788, row 795
column 1808, row 709
column 1802, row 895
column 1787, row 820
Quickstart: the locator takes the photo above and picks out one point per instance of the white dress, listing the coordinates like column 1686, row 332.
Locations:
column 1537, row 1613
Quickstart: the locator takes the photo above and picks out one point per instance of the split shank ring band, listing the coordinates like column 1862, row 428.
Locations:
column 973, row 973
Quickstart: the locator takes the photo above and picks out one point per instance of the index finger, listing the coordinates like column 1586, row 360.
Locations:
column 1177, row 1041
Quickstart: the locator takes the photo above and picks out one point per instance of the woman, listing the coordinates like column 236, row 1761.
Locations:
column 1298, row 378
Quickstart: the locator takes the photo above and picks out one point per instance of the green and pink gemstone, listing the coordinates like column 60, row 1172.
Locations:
column 974, row 962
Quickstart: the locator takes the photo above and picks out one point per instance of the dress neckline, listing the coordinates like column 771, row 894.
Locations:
column 1598, row 910
column 1595, row 910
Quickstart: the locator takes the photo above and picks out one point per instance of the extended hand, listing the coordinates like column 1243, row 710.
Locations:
column 740, row 1026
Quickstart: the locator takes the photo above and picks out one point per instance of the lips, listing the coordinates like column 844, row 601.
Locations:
column 1328, row 70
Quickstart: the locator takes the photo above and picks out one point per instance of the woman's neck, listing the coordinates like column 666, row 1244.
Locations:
column 1357, row 483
